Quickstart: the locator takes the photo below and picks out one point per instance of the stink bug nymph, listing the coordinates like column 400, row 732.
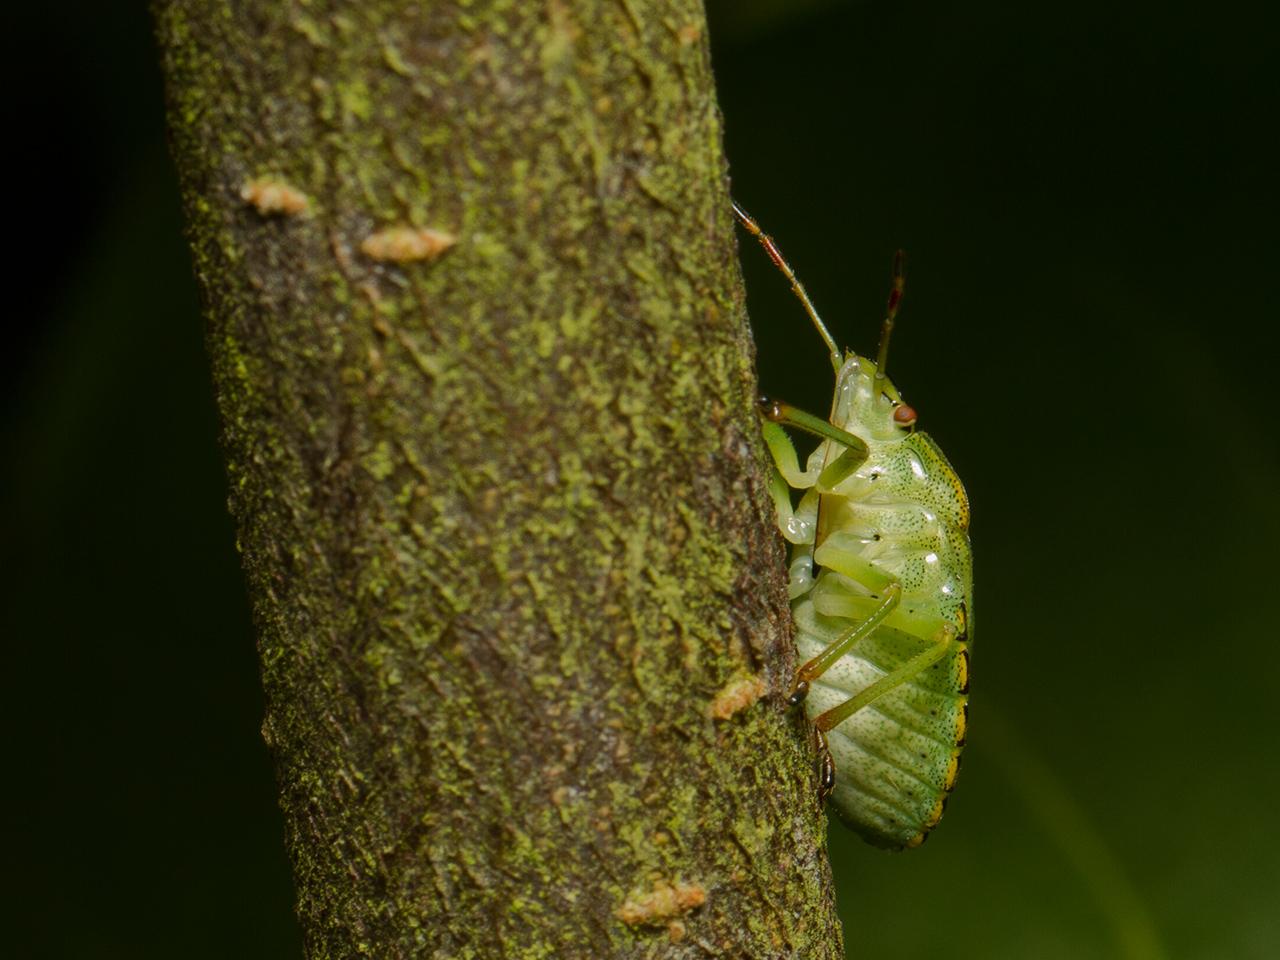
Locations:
column 881, row 589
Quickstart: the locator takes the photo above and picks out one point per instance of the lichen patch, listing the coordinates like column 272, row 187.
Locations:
column 274, row 196
column 736, row 696
column 661, row 903
column 403, row 244
column 689, row 34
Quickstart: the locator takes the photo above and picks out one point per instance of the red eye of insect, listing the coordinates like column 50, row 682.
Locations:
column 904, row 415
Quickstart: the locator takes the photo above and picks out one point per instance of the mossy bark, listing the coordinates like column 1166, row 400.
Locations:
column 501, row 506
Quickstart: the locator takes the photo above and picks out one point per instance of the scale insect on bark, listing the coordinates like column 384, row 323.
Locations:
column 881, row 584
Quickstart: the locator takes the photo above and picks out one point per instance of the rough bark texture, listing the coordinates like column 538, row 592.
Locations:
column 501, row 507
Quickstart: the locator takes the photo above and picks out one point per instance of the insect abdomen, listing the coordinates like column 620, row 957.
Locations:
column 881, row 583
column 897, row 758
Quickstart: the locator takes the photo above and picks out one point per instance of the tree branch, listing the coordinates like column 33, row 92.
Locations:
column 479, row 348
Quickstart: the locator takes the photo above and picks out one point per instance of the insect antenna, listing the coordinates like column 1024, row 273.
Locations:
column 890, row 313
column 797, row 287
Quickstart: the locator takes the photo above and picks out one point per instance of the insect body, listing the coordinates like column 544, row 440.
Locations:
column 881, row 586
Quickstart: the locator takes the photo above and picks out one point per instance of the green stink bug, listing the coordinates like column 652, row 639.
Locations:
column 881, row 586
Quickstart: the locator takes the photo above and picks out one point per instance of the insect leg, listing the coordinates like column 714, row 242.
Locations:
column 839, row 470
column 796, row 525
column 784, row 455
column 826, row 766
column 944, row 642
column 843, row 644
column 841, row 552
column 797, row 288
column 779, row 412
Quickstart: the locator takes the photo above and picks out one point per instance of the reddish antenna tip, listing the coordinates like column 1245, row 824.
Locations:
column 899, row 284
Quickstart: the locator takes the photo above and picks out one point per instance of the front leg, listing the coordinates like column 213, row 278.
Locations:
column 797, row 526
column 778, row 412
column 785, row 457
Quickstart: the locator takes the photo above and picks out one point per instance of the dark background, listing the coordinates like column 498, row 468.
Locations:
column 1087, row 195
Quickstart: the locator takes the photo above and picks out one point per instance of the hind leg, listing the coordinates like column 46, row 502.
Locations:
column 944, row 642
column 841, row 646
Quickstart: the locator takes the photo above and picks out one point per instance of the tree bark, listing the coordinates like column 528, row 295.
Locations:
column 479, row 348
